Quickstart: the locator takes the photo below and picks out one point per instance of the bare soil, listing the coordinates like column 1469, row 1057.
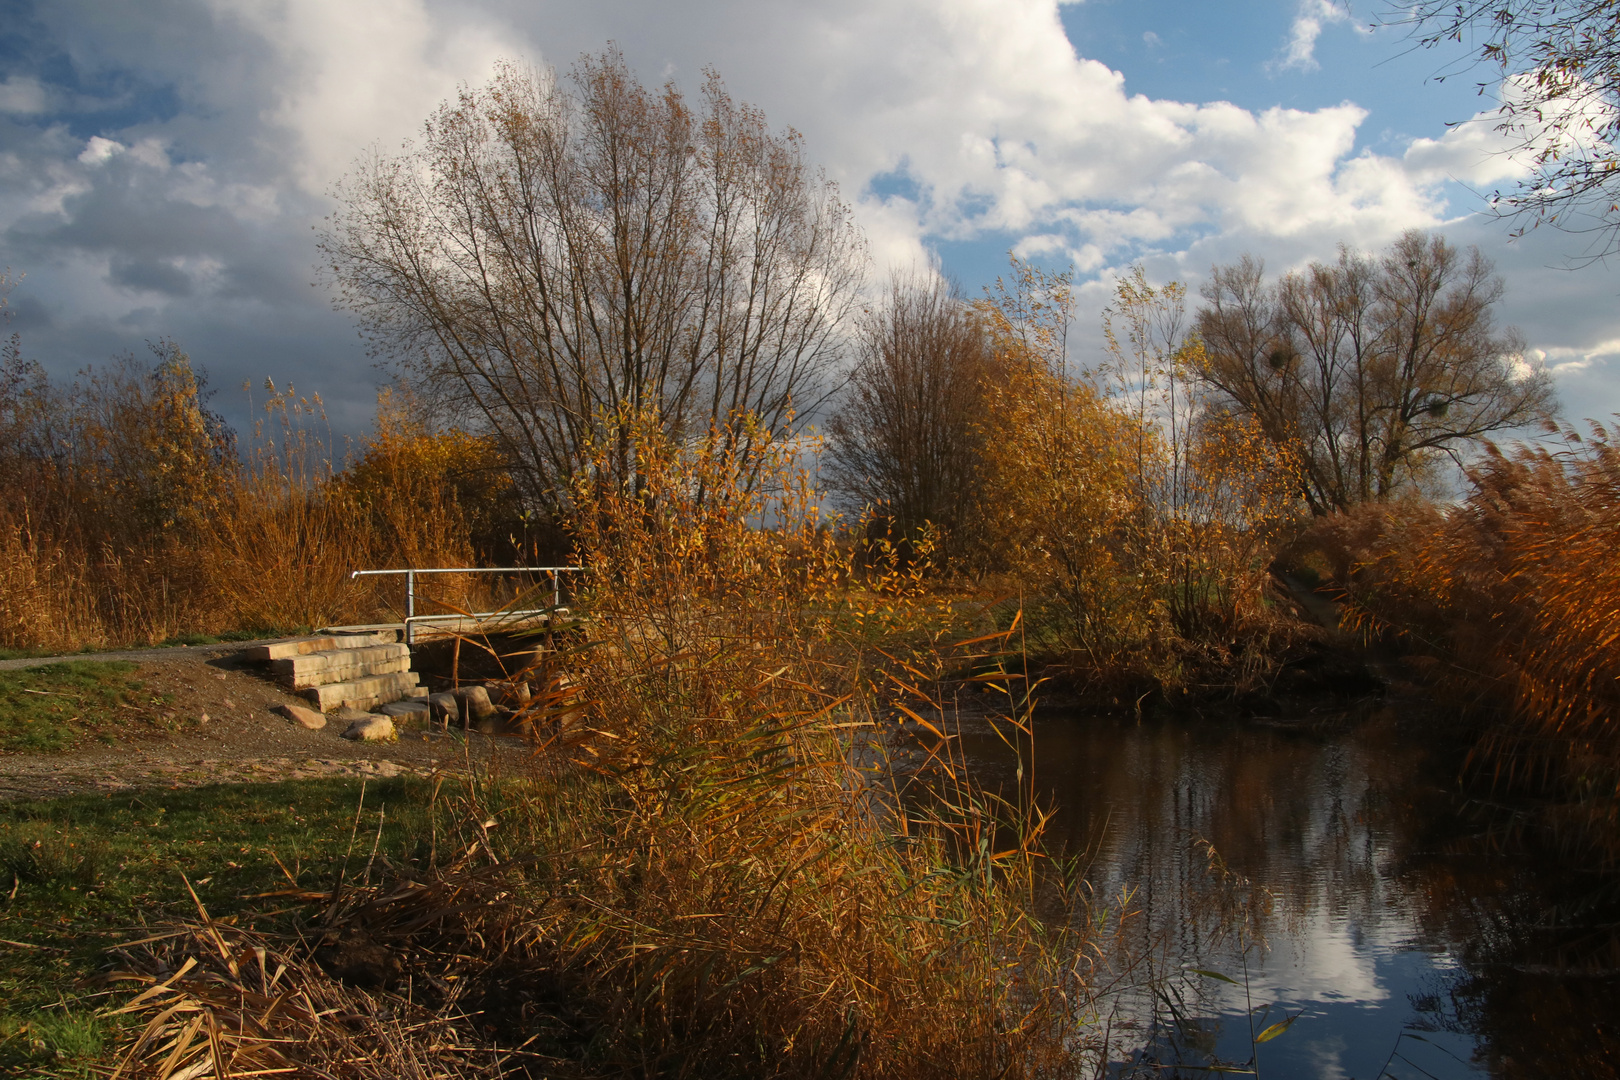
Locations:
column 217, row 727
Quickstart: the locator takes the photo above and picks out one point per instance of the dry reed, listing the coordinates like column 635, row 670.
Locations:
column 131, row 519
column 707, row 869
column 1509, row 602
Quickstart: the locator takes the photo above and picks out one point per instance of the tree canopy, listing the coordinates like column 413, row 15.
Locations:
column 1369, row 370
column 905, row 439
column 559, row 255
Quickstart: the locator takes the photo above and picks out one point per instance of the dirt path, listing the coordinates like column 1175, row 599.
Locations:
column 224, row 732
column 166, row 654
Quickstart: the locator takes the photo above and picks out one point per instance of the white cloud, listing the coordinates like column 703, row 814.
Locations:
column 355, row 75
column 1563, row 361
column 1002, row 130
column 99, row 150
column 1309, row 21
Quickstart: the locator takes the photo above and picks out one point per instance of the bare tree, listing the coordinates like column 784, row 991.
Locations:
column 1557, row 79
column 556, row 258
column 904, row 440
column 1371, row 371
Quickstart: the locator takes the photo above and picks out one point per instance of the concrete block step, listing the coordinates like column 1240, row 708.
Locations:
column 365, row 694
column 331, row 659
column 348, row 673
column 314, row 643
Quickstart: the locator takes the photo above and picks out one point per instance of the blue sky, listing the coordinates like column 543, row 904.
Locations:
column 164, row 163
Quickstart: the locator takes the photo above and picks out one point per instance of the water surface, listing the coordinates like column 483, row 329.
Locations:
column 1335, row 875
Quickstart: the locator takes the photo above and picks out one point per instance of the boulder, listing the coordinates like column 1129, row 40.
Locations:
column 444, row 708
column 408, row 714
column 371, row 728
column 308, row 718
column 475, row 703
column 511, row 695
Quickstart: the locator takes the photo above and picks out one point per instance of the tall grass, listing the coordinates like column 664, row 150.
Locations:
column 1509, row 601
column 708, row 870
column 131, row 517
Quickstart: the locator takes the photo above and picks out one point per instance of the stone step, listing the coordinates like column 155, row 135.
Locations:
column 365, row 693
column 315, row 643
column 348, row 673
column 307, row 664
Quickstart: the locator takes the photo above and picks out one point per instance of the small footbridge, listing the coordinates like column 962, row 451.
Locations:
column 368, row 665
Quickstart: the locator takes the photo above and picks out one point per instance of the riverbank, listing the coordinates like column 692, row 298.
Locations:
column 1385, row 908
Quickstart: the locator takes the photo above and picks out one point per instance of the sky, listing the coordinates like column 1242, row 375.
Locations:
column 165, row 165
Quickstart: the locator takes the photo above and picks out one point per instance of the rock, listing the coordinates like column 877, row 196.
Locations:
column 475, row 703
column 476, row 708
column 371, row 728
column 408, row 714
column 511, row 695
column 363, row 693
column 444, row 707
column 309, row 718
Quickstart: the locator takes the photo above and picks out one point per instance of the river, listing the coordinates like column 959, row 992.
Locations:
column 1334, row 874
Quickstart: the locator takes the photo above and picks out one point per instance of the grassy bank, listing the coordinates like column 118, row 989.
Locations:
column 82, row 874
column 727, row 906
column 60, row 706
column 705, row 866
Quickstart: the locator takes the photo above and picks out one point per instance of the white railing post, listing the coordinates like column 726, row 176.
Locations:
column 556, row 573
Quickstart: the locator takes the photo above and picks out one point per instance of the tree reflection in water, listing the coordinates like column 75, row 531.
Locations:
column 1337, row 873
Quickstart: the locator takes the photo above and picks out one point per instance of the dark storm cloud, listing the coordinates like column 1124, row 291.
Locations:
column 149, row 275
column 127, row 212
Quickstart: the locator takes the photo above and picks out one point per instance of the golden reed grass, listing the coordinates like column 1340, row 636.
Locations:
column 1511, row 601
column 708, row 872
column 130, row 517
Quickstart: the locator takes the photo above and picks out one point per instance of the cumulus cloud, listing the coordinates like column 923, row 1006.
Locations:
column 173, row 187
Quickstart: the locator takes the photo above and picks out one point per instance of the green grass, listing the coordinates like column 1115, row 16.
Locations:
column 78, row 875
column 55, row 707
column 257, row 633
column 30, row 654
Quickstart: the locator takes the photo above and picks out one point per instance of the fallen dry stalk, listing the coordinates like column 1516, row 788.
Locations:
column 226, row 1001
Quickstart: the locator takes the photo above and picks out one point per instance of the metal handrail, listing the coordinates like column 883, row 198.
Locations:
column 410, row 582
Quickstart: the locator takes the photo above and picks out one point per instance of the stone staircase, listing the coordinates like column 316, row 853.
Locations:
column 359, row 670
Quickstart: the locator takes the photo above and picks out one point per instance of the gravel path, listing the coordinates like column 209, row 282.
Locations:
column 227, row 733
